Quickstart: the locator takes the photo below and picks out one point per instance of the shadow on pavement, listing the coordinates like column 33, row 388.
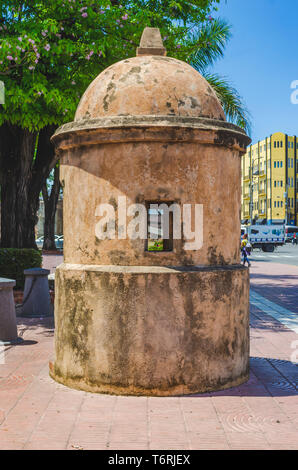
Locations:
column 268, row 377
column 279, row 291
column 43, row 326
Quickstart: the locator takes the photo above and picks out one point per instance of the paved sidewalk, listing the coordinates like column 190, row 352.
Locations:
column 277, row 282
column 37, row 413
column 51, row 261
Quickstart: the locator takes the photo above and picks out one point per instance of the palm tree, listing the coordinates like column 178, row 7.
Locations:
column 211, row 40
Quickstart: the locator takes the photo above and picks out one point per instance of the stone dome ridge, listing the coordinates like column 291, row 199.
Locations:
column 150, row 84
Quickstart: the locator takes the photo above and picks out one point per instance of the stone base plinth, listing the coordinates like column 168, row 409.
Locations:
column 138, row 330
column 8, row 323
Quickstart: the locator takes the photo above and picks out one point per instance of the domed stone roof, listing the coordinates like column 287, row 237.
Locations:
column 150, row 85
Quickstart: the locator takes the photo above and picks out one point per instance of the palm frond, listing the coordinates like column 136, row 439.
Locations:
column 231, row 101
column 211, row 41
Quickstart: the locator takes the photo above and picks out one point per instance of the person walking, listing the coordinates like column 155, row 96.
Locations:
column 244, row 251
column 294, row 241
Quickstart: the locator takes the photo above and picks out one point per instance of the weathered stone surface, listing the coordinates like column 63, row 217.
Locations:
column 130, row 321
column 151, row 330
column 187, row 173
column 8, row 324
column 149, row 85
column 151, row 43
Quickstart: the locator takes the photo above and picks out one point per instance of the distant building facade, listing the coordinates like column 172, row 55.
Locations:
column 269, row 179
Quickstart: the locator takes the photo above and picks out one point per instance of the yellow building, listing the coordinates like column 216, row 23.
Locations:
column 269, row 178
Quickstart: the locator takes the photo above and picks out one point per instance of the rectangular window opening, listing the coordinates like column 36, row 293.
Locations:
column 157, row 240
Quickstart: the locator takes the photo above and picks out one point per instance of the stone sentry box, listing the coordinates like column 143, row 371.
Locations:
column 130, row 321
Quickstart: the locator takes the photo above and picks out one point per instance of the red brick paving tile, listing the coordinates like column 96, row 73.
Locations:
column 282, row 438
column 261, row 414
column 44, row 444
column 207, row 446
column 11, row 444
column 163, row 444
column 51, row 261
column 283, row 447
column 277, row 282
column 209, row 426
column 247, row 440
column 209, row 440
column 123, row 445
column 87, row 446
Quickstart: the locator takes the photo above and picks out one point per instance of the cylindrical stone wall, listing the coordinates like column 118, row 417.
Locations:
column 128, row 320
column 151, row 330
column 182, row 172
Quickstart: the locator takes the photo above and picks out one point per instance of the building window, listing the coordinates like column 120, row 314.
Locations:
column 274, row 164
column 281, row 143
column 281, row 184
column 275, row 184
column 277, row 164
column 280, row 164
column 274, row 203
column 275, row 144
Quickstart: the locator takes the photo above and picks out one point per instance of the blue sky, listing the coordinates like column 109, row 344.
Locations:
column 261, row 61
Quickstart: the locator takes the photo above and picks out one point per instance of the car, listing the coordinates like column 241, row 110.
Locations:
column 59, row 242
column 290, row 230
column 39, row 242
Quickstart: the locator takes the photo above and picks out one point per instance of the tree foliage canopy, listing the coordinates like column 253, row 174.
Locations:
column 51, row 50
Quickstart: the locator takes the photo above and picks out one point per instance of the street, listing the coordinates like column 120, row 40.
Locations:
column 287, row 254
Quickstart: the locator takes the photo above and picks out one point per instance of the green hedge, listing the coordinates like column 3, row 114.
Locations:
column 13, row 261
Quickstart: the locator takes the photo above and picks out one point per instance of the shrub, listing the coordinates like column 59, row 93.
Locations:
column 13, row 261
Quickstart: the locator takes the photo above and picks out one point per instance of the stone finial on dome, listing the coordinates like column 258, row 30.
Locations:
column 151, row 43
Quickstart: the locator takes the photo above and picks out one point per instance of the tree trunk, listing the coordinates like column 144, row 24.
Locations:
column 22, row 174
column 18, row 214
column 50, row 206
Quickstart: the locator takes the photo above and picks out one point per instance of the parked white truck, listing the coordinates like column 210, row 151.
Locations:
column 266, row 237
